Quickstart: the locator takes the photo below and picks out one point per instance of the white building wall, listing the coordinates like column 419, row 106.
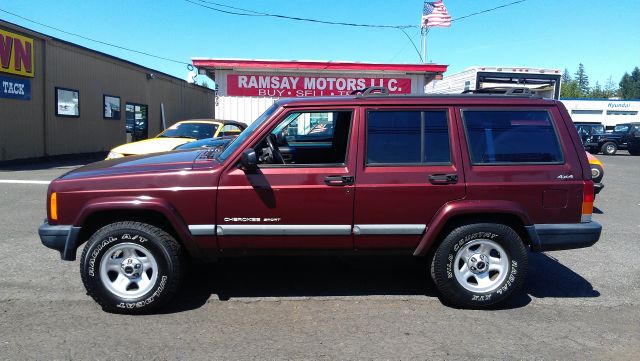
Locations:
column 607, row 112
column 246, row 109
column 453, row 84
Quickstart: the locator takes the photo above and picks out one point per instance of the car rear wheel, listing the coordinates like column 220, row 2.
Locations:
column 131, row 267
column 609, row 148
column 597, row 173
column 479, row 265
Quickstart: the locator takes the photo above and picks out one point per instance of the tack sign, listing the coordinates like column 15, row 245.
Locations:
column 14, row 88
column 16, row 54
column 308, row 86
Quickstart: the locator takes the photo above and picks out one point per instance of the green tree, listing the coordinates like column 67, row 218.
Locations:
column 610, row 88
column 570, row 90
column 597, row 92
column 569, row 87
column 582, row 80
column 630, row 85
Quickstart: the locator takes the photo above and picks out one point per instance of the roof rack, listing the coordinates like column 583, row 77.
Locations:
column 370, row 91
column 502, row 90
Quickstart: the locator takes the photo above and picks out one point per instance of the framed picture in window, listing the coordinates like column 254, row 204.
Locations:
column 111, row 107
column 67, row 102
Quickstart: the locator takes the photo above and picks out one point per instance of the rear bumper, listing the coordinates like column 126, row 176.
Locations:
column 61, row 238
column 597, row 187
column 555, row 237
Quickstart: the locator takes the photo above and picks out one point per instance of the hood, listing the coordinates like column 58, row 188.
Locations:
column 152, row 145
column 157, row 162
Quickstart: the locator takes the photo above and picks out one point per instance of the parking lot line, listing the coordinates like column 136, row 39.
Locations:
column 22, row 181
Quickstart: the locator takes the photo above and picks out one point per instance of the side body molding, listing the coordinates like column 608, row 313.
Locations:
column 141, row 204
column 467, row 207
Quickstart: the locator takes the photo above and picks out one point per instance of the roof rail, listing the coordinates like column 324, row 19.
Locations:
column 369, row 91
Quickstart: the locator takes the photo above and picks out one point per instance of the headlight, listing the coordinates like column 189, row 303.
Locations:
column 114, row 155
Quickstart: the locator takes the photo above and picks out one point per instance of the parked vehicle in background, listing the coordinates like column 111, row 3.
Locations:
column 597, row 172
column 180, row 133
column 541, row 82
column 586, row 130
column 454, row 179
column 218, row 143
column 624, row 136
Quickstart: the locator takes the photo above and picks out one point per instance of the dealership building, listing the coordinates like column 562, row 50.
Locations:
column 605, row 111
column 245, row 88
column 60, row 98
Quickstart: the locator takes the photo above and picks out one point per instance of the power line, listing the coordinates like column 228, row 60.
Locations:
column 95, row 40
column 488, row 10
column 248, row 12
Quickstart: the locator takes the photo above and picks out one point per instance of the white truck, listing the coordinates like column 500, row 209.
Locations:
column 540, row 81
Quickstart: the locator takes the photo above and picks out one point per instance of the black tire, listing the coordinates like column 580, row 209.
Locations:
column 609, row 148
column 446, row 280
column 596, row 173
column 164, row 276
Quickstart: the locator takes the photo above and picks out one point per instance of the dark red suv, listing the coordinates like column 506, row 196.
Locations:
column 470, row 182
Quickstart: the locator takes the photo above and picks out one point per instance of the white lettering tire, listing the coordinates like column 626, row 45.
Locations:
column 479, row 265
column 131, row 267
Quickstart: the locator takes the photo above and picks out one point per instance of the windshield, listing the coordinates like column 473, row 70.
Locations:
column 246, row 133
column 597, row 129
column 621, row 129
column 190, row 130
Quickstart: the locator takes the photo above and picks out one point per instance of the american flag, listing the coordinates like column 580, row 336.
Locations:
column 435, row 14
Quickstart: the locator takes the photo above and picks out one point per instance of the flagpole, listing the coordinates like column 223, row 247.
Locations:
column 425, row 31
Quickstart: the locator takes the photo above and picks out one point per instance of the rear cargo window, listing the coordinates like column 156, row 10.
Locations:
column 513, row 136
column 408, row 137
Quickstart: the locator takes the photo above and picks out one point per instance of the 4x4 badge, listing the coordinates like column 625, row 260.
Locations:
column 561, row 176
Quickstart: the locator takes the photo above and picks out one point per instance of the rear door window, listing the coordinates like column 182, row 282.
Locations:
column 511, row 137
column 408, row 137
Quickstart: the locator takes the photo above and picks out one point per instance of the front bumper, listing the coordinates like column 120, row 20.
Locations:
column 555, row 237
column 61, row 238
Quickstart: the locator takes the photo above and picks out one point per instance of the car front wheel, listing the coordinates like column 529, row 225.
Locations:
column 479, row 265
column 131, row 267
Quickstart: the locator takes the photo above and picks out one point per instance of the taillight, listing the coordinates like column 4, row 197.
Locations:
column 53, row 206
column 587, row 201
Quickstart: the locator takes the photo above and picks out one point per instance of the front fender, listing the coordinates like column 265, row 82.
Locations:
column 467, row 207
column 140, row 203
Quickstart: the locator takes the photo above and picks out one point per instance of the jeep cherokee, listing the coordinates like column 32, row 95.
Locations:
column 469, row 182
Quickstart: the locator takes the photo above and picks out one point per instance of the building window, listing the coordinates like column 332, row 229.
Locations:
column 584, row 111
column 622, row 112
column 408, row 137
column 67, row 102
column 111, row 107
column 513, row 136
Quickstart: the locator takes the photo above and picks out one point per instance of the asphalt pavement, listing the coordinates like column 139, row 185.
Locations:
column 578, row 304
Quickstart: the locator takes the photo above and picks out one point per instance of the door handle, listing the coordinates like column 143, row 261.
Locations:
column 443, row 178
column 339, row 180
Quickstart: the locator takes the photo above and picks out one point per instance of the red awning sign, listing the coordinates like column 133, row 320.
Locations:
column 303, row 86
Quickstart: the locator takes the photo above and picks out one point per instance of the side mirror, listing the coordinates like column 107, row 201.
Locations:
column 249, row 160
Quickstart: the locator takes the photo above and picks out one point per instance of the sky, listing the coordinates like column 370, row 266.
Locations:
column 604, row 36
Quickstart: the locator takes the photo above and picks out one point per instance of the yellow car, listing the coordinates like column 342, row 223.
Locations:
column 178, row 134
